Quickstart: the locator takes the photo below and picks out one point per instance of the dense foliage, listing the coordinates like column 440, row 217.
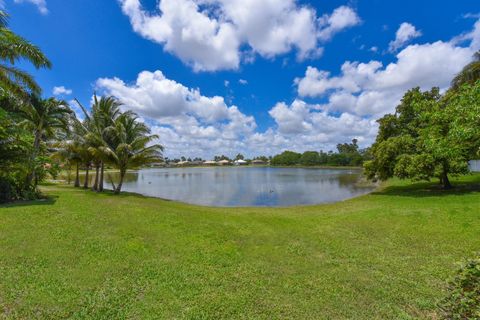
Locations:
column 348, row 154
column 429, row 136
column 463, row 299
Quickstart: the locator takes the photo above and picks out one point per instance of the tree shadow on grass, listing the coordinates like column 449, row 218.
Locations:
column 430, row 189
column 47, row 201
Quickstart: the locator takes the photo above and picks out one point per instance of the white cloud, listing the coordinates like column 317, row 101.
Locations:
column 471, row 15
column 61, row 91
column 41, row 5
column 243, row 82
column 343, row 17
column 372, row 89
column 192, row 124
column 301, row 127
column 404, row 34
column 190, row 119
column 214, row 35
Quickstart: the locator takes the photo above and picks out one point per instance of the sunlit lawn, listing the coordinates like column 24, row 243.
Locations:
column 381, row 256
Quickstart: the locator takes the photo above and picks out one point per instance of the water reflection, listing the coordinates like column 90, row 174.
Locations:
column 245, row 186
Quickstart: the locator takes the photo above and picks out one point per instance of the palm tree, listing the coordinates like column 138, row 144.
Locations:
column 68, row 152
column 105, row 112
column 12, row 49
column 103, row 115
column 44, row 117
column 469, row 74
column 131, row 145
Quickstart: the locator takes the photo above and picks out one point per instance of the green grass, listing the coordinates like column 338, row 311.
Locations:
column 84, row 255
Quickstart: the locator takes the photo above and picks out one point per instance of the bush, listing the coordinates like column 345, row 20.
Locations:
column 310, row 158
column 6, row 192
column 286, row 158
column 463, row 299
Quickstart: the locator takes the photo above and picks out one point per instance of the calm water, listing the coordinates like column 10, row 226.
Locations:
column 245, row 186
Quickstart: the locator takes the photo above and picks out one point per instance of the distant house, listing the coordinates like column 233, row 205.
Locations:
column 210, row 163
column 258, row 162
column 183, row 163
column 474, row 165
column 240, row 162
column 224, row 162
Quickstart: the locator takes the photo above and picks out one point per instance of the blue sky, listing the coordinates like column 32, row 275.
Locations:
column 258, row 77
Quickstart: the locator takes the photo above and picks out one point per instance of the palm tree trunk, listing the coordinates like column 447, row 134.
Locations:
column 95, row 184
column 69, row 173
column 85, row 184
column 77, row 177
column 120, row 183
column 36, row 147
column 100, row 182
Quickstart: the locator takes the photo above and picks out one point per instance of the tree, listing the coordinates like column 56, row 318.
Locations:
column 15, row 147
column 43, row 117
column 239, row 157
column 14, row 48
column 286, row 158
column 310, row 158
column 415, row 142
column 469, row 74
column 463, row 108
column 69, row 153
column 348, row 154
column 130, row 145
column 97, row 124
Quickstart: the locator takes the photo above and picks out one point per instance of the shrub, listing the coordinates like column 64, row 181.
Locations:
column 463, row 299
column 286, row 158
column 6, row 193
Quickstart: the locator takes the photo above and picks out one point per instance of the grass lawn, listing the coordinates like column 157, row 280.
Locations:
column 98, row 256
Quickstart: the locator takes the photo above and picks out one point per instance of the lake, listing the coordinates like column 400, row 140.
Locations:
column 245, row 186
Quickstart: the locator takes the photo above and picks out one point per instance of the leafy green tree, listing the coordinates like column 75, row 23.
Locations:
column 415, row 142
column 14, row 48
column 15, row 147
column 286, row 158
column 463, row 112
column 310, row 158
column 348, row 154
column 239, row 157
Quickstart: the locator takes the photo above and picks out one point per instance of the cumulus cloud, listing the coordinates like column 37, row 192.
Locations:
column 214, row 35
column 301, row 126
column 405, row 33
column 192, row 124
column 372, row 89
column 41, row 4
column 343, row 17
column 243, row 82
column 186, row 118
column 61, row 91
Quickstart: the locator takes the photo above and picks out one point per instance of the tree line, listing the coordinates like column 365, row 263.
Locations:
column 347, row 154
column 38, row 136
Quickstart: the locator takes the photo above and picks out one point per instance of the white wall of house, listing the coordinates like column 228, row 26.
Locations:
column 474, row 165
